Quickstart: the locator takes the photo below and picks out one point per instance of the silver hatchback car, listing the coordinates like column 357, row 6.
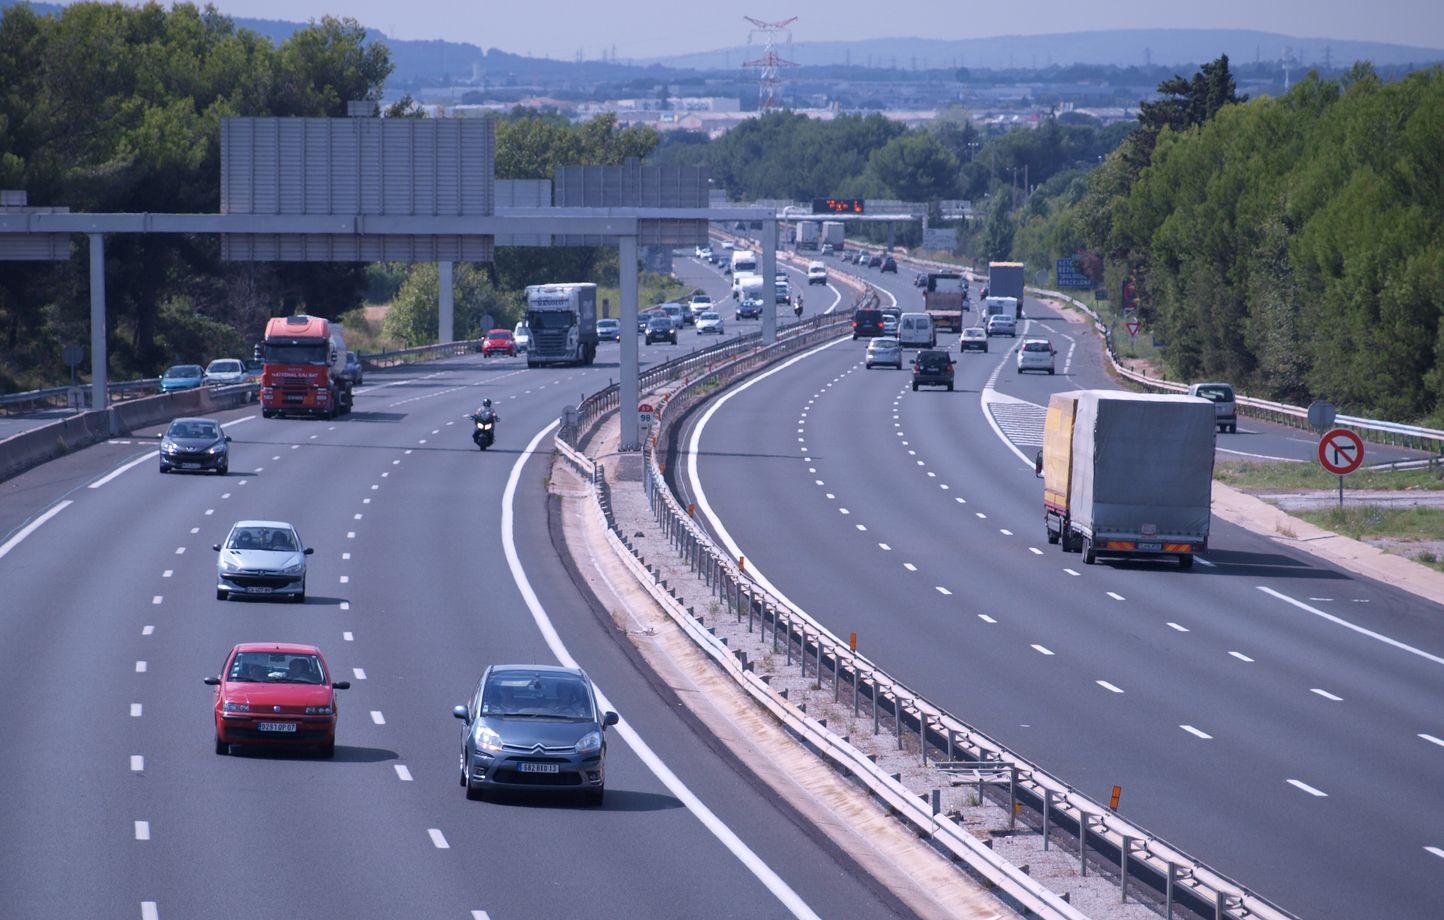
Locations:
column 262, row 558
column 534, row 727
column 884, row 351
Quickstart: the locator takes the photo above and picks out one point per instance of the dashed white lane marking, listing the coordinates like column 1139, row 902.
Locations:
column 195, row 530
column 149, row 911
column 862, row 527
column 157, row 599
column 1431, row 739
column 1116, row 596
column 350, row 534
column 345, row 605
column 1197, row 733
column 1035, row 551
column 377, row 717
column 1071, row 572
column 1109, row 687
column 1318, row 793
column 1241, row 656
column 437, row 839
column 137, row 763
column 1347, row 625
column 910, row 567
column 1436, row 851
column 135, row 710
column 944, row 485
column 884, row 546
column 818, row 481
column 348, row 636
column 1326, row 694
column 142, row 830
column 365, row 501
column 830, row 495
column 980, row 514
column 140, row 667
column 941, row 590
column 147, row 630
column 931, row 474
column 844, row 511
column 961, row 501
column 167, row 573
column 986, row 619
column 356, row 517
column 402, row 773
column 480, row 915
column 225, row 495
column 180, row 550
column 1177, row 627
column 345, row 556
column 359, row 672
column 1041, row 650
column 1005, row 532
column 345, row 579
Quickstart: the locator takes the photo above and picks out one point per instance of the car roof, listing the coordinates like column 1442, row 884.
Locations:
column 608, row 319
column 499, row 332
column 289, row 648
column 271, row 524
column 193, row 418
column 538, row 668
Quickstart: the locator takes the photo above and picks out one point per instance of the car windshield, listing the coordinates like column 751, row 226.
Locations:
column 660, row 321
column 1035, row 346
column 196, row 430
column 525, row 695
column 224, row 367
column 274, row 539
column 932, row 357
column 184, row 370
column 710, row 316
column 276, row 668
column 1216, row 393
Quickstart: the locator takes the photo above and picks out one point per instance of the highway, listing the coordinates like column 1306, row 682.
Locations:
column 117, row 806
column 1274, row 716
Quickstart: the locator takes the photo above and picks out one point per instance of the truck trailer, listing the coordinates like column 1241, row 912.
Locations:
column 945, row 299
column 1128, row 474
column 562, row 319
column 808, row 232
column 1005, row 279
column 833, row 234
column 303, row 368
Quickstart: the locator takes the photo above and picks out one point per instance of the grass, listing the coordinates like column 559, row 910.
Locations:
column 1284, row 477
column 1360, row 521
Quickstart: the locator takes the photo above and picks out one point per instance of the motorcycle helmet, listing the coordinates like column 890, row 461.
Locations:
column 486, row 403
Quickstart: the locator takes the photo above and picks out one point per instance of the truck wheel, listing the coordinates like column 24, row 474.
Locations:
column 1052, row 537
column 1185, row 561
column 267, row 413
column 1089, row 557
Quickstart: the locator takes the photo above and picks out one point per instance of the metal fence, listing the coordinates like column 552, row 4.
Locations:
column 1178, row 880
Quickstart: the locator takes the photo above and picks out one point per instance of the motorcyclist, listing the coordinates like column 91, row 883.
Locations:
column 797, row 305
column 486, row 412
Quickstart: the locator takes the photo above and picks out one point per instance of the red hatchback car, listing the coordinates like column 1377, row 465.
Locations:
column 498, row 342
column 272, row 693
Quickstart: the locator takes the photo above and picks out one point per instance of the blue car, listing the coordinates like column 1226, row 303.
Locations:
column 182, row 377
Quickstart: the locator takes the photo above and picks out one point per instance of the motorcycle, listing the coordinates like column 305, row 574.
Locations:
column 483, row 433
column 797, row 309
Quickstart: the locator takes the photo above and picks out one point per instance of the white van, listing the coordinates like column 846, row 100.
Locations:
column 743, row 262
column 915, row 330
column 816, row 273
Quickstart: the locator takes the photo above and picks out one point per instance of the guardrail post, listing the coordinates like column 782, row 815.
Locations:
column 1123, row 856
column 897, row 717
column 872, row 679
column 1168, row 891
column 1012, row 796
column 1082, row 843
column 1047, row 814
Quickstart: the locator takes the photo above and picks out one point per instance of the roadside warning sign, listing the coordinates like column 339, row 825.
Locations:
column 645, row 414
column 1341, row 451
column 1133, row 327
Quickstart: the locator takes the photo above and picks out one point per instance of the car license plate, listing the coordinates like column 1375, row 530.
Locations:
column 260, row 589
column 539, row 768
column 191, row 466
column 275, row 726
column 1151, row 547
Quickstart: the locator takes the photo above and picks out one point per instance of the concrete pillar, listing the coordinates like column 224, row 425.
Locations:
column 446, row 308
column 769, row 275
column 100, row 400
column 629, row 394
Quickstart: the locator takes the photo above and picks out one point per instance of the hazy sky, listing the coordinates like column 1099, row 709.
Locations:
column 656, row 28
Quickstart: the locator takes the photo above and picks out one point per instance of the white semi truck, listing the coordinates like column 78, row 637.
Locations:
column 562, row 319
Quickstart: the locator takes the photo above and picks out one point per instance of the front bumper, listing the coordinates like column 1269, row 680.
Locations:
column 261, row 584
column 505, row 771
column 244, row 728
column 193, row 461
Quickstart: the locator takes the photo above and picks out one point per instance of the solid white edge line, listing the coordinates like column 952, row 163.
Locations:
column 1436, row 851
column 1431, row 739
column 33, row 526
column 1347, row 625
column 121, row 469
column 700, row 495
column 1319, row 793
column 724, row 834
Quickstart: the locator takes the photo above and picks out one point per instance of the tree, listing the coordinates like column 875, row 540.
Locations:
column 412, row 318
column 997, row 242
column 915, row 167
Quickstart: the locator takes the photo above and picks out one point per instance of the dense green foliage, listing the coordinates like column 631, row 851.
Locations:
column 112, row 108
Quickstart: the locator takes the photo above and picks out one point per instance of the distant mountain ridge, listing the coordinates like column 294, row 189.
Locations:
column 1182, row 48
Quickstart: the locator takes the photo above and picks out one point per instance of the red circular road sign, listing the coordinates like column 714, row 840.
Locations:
column 1341, row 451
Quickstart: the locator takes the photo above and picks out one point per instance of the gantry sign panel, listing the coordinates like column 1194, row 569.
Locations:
column 632, row 185
column 372, row 168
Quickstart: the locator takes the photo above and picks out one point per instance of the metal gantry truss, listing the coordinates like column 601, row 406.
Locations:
column 769, row 83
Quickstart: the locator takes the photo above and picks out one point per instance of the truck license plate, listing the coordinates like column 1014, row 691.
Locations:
column 1151, row 547
column 539, row 768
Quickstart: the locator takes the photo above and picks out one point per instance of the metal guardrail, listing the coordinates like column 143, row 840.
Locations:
column 1142, row 858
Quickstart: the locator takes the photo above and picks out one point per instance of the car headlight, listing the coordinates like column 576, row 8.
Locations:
column 230, row 565
column 590, row 743
column 319, row 710
column 488, row 740
column 295, row 568
column 167, row 447
column 229, row 706
column 217, row 448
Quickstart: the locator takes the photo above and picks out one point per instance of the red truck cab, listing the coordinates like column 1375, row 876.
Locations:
column 304, row 363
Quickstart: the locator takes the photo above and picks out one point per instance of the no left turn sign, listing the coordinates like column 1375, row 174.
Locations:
column 1341, row 451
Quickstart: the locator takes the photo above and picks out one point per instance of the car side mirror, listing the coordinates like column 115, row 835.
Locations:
column 610, row 719
column 213, row 681
column 461, row 713
column 228, row 439
column 308, row 550
column 216, row 547
column 340, row 685
column 1038, row 463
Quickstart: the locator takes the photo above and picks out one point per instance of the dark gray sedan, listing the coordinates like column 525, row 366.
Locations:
column 538, row 727
column 195, row 444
